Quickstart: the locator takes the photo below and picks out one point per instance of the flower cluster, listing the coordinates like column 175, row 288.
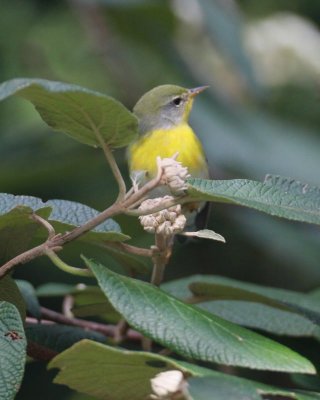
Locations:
column 167, row 222
column 174, row 175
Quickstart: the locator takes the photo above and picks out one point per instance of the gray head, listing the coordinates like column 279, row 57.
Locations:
column 164, row 107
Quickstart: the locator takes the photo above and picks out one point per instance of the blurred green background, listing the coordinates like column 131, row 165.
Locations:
column 261, row 115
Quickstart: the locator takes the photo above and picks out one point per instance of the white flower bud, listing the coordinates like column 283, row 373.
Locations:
column 174, row 175
column 166, row 222
column 166, row 384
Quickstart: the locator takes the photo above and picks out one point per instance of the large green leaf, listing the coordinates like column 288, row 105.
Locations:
column 108, row 373
column 77, row 111
column 190, row 331
column 222, row 387
column 206, row 287
column 263, row 317
column 12, row 351
column 64, row 215
column 279, row 196
column 117, row 374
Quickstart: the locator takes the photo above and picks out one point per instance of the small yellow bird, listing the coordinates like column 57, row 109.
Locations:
column 163, row 115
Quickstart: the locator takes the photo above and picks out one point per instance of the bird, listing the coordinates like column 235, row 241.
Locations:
column 163, row 124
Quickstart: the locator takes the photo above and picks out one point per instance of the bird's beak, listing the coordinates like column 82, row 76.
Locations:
column 195, row 91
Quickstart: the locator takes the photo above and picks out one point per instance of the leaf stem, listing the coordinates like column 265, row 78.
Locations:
column 116, row 171
column 112, row 162
column 41, row 221
column 66, row 267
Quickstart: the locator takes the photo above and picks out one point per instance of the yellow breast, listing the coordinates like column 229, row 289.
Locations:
column 165, row 143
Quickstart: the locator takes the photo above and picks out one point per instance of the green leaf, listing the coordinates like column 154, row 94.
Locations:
column 10, row 293
column 58, row 337
column 215, row 287
column 16, row 230
column 309, row 382
column 65, row 215
column 222, row 387
column 76, row 111
column 54, row 289
column 278, row 196
column 91, row 301
column 12, row 351
column 190, row 331
column 129, row 262
column 206, row 234
column 117, row 374
column 88, row 300
column 263, row 317
column 108, row 373
column 30, row 298
column 101, row 310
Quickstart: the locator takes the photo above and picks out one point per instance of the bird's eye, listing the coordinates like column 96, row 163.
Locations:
column 177, row 101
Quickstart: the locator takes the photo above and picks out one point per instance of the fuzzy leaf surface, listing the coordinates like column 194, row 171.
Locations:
column 215, row 287
column 190, row 331
column 76, row 111
column 12, row 350
column 64, row 216
column 278, row 196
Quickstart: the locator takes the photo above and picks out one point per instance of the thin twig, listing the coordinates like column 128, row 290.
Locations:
column 55, row 243
column 107, row 330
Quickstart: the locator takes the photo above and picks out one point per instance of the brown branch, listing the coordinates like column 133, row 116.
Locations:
column 55, row 243
column 88, row 226
column 23, row 258
column 161, row 255
column 107, row 330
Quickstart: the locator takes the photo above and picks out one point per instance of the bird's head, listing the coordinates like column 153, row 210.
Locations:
column 165, row 106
